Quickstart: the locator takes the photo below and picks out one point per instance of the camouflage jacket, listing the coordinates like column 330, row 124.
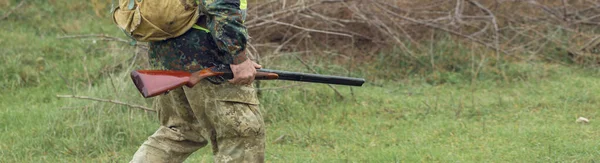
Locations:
column 220, row 38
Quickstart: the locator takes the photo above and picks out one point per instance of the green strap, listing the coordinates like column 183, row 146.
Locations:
column 196, row 26
column 112, row 7
column 131, row 4
column 243, row 4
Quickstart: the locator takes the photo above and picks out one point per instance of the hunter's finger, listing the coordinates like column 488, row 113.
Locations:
column 250, row 80
column 246, row 82
column 234, row 80
column 256, row 65
column 239, row 80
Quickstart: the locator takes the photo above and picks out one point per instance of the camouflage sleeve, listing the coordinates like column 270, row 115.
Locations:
column 226, row 23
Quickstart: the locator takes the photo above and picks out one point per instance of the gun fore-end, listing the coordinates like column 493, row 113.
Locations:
column 266, row 76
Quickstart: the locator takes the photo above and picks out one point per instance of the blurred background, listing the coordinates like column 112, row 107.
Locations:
column 447, row 81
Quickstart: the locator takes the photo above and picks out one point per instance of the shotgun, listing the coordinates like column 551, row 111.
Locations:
column 151, row 83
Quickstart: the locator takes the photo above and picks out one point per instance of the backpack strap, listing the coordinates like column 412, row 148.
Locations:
column 196, row 26
column 243, row 4
column 131, row 4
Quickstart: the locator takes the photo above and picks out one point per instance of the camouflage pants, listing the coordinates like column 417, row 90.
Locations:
column 225, row 115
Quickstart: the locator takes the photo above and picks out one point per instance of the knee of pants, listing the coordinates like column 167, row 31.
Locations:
column 175, row 136
column 167, row 145
column 241, row 150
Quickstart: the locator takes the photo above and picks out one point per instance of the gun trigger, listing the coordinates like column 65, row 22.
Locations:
column 217, row 80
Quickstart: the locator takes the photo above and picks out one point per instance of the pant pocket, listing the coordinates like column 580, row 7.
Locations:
column 237, row 119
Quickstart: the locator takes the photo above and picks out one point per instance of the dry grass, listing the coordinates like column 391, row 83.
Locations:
column 361, row 30
column 408, row 34
column 364, row 28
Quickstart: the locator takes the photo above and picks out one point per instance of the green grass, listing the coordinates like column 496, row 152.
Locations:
column 532, row 121
column 424, row 115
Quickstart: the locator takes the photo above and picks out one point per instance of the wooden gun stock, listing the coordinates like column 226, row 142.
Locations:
column 151, row 83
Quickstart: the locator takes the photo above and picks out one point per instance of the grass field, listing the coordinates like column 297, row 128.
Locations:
column 528, row 118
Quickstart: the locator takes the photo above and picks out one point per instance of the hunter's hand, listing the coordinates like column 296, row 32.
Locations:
column 244, row 72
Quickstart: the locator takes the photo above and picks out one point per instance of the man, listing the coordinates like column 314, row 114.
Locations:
column 225, row 115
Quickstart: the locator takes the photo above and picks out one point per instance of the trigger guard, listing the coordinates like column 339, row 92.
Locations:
column 216, row 80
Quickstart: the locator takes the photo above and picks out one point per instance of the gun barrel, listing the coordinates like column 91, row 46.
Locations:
column 315, row 78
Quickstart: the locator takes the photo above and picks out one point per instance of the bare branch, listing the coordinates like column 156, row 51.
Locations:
column 440, row 28
column 104, row 37
column 308, row 29
column 108, row 101
column 313, row 70
column 12, row 10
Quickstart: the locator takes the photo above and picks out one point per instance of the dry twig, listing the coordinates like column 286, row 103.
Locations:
column 12, row 10
column 104, row 37
column 108, row 101
column 314, row 71
column 441, row 28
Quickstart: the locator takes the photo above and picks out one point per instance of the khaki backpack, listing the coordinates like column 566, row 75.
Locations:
column 155, row 20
